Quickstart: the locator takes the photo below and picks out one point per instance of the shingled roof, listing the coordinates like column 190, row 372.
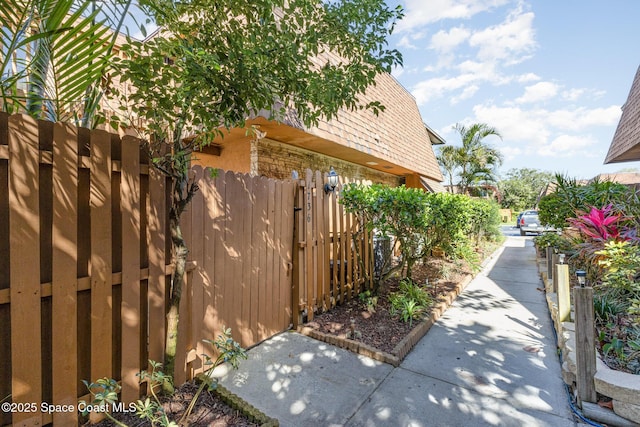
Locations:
column 626, row 141
column 397, row 135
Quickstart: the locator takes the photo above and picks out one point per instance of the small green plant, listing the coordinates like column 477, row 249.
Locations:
column 621, row 262
column 229, row 351
column 465, row 252
column 105, row 395
column 553, row 240
column 369, row 300
column 105, row 391
column 410, row 302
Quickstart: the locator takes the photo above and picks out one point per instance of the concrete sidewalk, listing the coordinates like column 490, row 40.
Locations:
column 490, row 360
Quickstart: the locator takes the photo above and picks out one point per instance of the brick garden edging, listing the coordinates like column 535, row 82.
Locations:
column 251, row 412
column 403, row 347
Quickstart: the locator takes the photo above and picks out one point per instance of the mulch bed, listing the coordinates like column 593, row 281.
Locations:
column 380, row 330
column 210, row 410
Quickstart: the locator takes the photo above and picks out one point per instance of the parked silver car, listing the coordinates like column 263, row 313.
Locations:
column 530, row 223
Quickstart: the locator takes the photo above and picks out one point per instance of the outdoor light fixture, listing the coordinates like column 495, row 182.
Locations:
column 582, row 277
column 561, row 258
column 332, row 181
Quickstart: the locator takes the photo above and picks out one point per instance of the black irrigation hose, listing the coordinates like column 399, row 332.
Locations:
column 566, row 387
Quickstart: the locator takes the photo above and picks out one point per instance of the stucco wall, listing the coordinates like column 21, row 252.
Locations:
column 233, row 157
column 277, row 160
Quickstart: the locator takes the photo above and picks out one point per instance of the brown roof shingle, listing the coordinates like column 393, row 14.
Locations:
column 397, row 135
column 626, row 141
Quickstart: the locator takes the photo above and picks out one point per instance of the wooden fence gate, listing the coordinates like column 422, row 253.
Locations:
column 239, row 230
column 327, row 239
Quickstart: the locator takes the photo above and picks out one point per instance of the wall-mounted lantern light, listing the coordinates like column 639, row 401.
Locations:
column 581, row 275
column 332, row 181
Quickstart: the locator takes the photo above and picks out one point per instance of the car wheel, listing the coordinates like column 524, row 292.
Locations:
column 522, row 232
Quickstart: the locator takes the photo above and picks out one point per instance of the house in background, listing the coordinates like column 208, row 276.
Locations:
column 393, row 148
column 625, row 146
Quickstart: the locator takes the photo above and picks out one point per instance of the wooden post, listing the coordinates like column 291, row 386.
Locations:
column 549, row 262
column 585, row 344
column 564, row 296
column 554, row 277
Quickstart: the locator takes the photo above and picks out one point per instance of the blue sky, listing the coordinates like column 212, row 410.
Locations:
column 550, row 75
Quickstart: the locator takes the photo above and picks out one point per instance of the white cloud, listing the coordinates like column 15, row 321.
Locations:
column 548, row 132
column 568, row 146
column 421, row 12
column 468, row 59
column 527, row 78
column 435, row 88
column 541, row 91
column 397, row 71
column 572, row 94
column 467, row 93
column 511, row 41
column 445, row 41
column 511, row 153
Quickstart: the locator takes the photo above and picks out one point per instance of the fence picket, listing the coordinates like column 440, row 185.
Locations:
column 130, row 307
column 64, row 293
column 24, row 255
column 157, row 214
column 247, row 296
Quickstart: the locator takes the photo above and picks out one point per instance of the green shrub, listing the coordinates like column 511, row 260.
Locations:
column 554, row 240
column 449, row 220
column 484, row 221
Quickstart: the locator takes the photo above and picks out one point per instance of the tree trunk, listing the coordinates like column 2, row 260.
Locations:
column 182, row 195
column 180, row 252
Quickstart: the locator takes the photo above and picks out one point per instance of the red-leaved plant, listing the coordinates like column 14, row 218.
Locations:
column 603, row 225
column 598, row 227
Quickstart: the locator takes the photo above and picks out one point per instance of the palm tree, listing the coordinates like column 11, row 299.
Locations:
column 447, row 158
column 477, row 161
column 54, row 55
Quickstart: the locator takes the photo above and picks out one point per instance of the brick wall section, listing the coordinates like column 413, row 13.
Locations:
column 277, row 160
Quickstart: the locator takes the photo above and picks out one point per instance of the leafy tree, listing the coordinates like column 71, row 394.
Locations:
column 54, row 55
column 477, row 160
column 214, row 64
column 521, row 188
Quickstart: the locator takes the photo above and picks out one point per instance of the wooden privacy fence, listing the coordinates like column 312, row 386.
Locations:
column 240, row 228
column 327, row 239
column 83, row 264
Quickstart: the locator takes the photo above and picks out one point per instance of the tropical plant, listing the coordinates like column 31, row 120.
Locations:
column 602, row 224
column 570, row 198
column 55, row 55
column 477, row 160
column 215, row 64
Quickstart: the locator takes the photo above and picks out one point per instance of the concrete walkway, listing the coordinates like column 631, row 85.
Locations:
column 489, row 361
